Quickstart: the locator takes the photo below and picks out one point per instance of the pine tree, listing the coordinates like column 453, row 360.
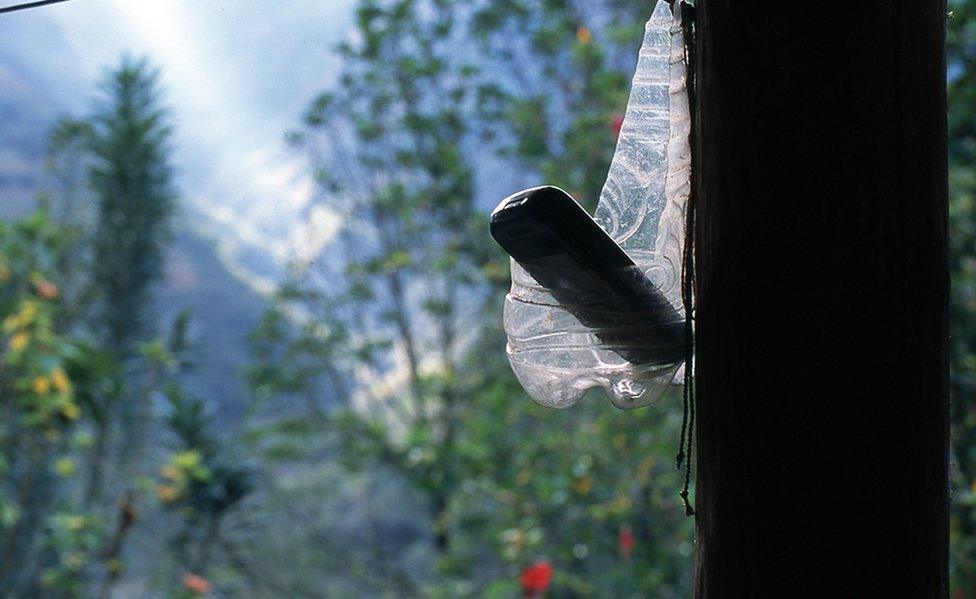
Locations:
column 132, row 181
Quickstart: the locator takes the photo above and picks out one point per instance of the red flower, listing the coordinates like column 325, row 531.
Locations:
column 626, row 542
column 196, row 584
column 616, row 123
column 959, row 594
column 536, row 578
column 46, row 289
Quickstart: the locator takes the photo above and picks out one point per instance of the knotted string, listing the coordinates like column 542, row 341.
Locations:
column 687, row 438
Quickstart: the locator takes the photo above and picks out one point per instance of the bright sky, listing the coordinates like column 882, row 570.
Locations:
column 238, row 75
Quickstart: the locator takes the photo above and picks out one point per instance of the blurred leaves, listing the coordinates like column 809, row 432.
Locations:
column 388, row 450
column 961, row 54
column 406, row 301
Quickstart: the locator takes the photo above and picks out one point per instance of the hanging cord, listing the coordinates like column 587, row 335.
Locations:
column 687, row 439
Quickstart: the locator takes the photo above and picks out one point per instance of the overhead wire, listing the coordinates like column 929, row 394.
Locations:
column 26, row 5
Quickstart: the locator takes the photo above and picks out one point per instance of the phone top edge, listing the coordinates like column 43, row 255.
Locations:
column 513, row 199
column 548, row 208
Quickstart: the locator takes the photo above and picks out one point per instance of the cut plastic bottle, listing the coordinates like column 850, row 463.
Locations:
column 555, row 357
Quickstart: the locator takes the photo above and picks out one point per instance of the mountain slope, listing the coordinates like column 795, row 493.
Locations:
column 223, row 311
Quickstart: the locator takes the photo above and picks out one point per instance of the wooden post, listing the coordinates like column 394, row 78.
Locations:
column 822, row 299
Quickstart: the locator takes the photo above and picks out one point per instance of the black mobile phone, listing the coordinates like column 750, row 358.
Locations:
column 554, row 239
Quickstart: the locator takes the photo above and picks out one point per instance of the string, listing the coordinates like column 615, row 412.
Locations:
column 687, row 437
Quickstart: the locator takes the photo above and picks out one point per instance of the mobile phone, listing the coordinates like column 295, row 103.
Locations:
column 554, row 239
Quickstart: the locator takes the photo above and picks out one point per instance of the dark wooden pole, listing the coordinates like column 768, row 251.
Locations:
column 822, row 299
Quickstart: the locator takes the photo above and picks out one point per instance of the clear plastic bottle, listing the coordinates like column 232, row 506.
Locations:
column 555, row 357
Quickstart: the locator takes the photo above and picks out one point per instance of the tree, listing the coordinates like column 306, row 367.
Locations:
column 557, row 82
column 39, row 524
column 76, row 305
column 394, row 169
column 203, row 481
column 396, row 146
column 131, row 181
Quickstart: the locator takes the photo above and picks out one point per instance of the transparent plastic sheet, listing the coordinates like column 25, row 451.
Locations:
column 555, row 352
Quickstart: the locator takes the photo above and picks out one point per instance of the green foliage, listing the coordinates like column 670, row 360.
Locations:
column 390, row 147
column 112, row 199
column 559, row 84
column 200, row 478
column 75, row 540
column 392, row 451
column 79, row 365
column 962, row 263
column 40, row 546
column 549, row 90
column 297, row 361
column 566, row 484
column 203, row 478
column 132, row 182
column 426, row 393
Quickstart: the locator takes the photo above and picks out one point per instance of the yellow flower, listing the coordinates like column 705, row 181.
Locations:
column 187, row 460
column 583, row 485
column 644, row 468
column 41, row 385
column 75, row 523
column 83, row 440
column 513, row 536
column 60, row 381
column 171, row 472
column 10, row 323
column 621, row 503
column 26, row 315
column 70, row 410
column 65, row 467
column 18, row 342
column 167, row 493
column 73, row 561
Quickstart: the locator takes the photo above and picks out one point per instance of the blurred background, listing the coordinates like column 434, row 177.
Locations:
column 250, row 314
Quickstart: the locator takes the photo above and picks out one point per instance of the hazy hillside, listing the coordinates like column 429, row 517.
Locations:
column 25, row 114
column 224, row 308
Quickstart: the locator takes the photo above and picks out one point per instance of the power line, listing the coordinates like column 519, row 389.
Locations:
column 27, row 5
